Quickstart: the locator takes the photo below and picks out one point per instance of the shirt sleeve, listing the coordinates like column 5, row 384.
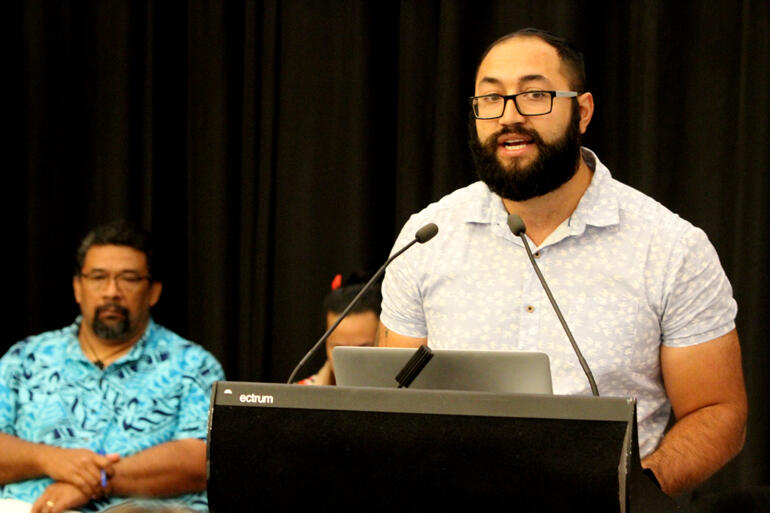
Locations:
column 200, row 371
column 10, row 364
column 402, row 309
column 699, row 304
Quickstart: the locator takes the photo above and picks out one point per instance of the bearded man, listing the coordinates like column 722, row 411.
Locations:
column 113, row 406
column 641, row 289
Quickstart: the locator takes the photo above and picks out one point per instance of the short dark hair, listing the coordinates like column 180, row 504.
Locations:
column 118, row 233
column 570, row 56
column 347, row 288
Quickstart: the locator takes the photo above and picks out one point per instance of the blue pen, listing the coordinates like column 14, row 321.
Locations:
column 102, row 472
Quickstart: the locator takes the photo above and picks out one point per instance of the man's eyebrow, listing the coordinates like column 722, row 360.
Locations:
column 522, row 81
column 532, row 78
column 120, row 271
column 490, row 80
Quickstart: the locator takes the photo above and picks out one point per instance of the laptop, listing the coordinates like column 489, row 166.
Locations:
column 516, row 372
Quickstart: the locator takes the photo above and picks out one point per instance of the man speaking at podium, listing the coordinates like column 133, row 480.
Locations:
column 641, row 289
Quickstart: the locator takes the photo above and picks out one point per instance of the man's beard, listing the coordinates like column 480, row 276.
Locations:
column 120, row 331
column 556, row 162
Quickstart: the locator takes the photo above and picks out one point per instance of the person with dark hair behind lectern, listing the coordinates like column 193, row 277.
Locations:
column 642, row 290
column 357, row 329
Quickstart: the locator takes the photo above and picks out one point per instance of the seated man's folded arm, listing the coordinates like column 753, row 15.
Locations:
column 19, row 460
column 165, row 470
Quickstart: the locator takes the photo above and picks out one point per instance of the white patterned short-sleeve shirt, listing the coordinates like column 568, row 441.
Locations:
column 627, row 273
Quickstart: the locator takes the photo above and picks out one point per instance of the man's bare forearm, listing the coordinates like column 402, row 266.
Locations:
column 704, row 383
column 19, row 459
column 381, row 336
column 697, row 446
column 165, row 470
column 387, row 338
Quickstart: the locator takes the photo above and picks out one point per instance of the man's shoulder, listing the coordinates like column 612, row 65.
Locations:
column 43, row 343
column 644, row 220
column 162, row 339
column 475, row 194
column 159, row 335
column 642, row 210
column 469, row 202
column 47, row 349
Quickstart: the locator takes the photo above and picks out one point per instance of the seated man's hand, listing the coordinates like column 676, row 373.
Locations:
column 80, row 468
column 59, row 497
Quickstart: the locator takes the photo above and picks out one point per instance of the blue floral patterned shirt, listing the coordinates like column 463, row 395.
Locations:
column 627, row 273
column 158, row 392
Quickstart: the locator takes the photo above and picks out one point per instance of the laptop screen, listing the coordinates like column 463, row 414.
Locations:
column 517, row 372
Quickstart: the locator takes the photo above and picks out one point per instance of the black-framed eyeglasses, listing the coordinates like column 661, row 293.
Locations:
column 127, row 281
column 528, row 103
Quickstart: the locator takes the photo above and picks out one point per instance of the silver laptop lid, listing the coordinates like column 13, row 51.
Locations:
column 518, row 372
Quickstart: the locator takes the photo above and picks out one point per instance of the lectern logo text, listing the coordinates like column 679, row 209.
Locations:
column 256, row 398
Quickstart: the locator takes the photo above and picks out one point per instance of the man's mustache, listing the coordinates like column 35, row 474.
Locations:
column 517, row 130
column 112, row 306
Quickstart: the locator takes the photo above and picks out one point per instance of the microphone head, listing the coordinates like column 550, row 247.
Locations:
column 426, row 233
column 516, row 225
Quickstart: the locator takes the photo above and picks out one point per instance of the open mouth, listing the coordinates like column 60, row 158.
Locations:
column 514, row 145
column 514, row 142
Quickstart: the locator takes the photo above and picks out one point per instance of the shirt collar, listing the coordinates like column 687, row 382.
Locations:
column 598, row 206
column 486, row 208
column 75, row 352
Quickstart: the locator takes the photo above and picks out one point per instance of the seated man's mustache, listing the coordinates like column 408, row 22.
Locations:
column 112, row 306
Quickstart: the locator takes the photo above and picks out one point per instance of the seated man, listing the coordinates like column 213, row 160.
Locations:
column 357, row 329
column 112, row 406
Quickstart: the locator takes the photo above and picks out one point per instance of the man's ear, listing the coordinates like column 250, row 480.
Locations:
column 155, row 289
column 77, row 288
column 586, row 106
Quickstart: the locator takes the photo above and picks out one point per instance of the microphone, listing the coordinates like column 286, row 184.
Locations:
column 422, row 236
column 517, row 227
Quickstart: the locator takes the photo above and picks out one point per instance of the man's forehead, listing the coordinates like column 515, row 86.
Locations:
column 520, row 58
column 110, row 256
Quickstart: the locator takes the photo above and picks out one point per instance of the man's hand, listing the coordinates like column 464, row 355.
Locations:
column 79, row 467
column 59, row 497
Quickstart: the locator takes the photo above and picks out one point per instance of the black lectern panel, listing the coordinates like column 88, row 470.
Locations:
column 293, row 447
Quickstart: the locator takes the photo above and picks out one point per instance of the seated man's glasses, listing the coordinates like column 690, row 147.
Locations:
column 528, row 103
column 127, row 281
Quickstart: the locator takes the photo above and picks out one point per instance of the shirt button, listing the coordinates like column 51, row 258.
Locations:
column 537, row 254
column 530, row 308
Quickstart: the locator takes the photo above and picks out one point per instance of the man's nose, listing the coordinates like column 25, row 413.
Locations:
column 111, row 288
column 511, row 114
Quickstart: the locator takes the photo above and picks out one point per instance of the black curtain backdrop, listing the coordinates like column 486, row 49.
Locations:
column 269, row 145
